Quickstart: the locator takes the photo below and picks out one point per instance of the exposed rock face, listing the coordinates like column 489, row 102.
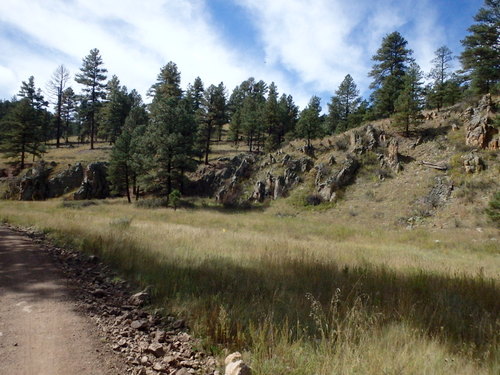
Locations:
column 327, row 189
column 66, row 181
column 479, row 131
column 95, row 183
column 221, row 177
column 364, row 139
column 259, row 193
column 472, row 163
column 392, row 158
column 279, row 187
column 235, row 365
column 34, row 185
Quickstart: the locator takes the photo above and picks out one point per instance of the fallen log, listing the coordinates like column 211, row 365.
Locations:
column 440, row 167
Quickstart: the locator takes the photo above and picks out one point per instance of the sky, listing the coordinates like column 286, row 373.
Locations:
column 306, row 47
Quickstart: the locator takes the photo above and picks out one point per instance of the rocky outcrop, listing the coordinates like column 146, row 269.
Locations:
column 391, row 159
column 364, row 139
column 95, row 183
column 66, row 181
column 472, row 163
column 340, row 178
column 220, row 178
column 479, row 129
column 33, row 185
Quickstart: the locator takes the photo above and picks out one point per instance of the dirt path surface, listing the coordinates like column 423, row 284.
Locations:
column 41, row 330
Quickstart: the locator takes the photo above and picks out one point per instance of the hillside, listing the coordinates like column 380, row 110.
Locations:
column 378, row 269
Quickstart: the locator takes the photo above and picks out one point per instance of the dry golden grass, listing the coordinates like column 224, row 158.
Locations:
column 302, row 292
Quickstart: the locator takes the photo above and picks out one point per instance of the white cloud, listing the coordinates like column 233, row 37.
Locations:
column 309, row 46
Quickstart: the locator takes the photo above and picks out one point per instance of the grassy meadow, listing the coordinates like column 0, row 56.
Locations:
column 301, row 292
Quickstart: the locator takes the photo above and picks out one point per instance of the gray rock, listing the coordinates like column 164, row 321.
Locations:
column 33, row 185
column 95, row 183
column 472, row 163
column 66, row 181
column 341, row 178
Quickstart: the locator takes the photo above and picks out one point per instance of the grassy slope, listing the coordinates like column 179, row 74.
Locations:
column 326, row 291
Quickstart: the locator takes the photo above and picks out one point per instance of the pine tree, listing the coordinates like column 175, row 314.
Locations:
column 333, row 122
column 115, row 110
column 92, row 77
column 21, row 132
column 194, row 94
column 272, row 118
column 481, row 55
column 309, row 125
column 289, row 114
column 68, row 109
column 409, row 102
column 439, row 75
column 56, row 86
column 125, row 164
column 171, row 131
column 213, row 116
column 391, row 63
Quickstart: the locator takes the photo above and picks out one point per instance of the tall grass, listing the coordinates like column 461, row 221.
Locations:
column 301, row 296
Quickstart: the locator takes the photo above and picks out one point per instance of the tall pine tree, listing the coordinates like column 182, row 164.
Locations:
column 481, row 55
column 391, row 63
column 92, row 78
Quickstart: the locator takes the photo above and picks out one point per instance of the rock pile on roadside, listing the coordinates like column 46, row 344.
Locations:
column 149, row 342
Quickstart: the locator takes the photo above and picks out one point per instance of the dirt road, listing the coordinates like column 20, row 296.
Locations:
column 41, row 330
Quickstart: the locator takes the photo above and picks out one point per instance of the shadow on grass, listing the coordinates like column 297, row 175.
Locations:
column 460, row 310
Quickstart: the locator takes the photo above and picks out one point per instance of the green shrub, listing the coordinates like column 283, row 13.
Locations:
column 493, row 210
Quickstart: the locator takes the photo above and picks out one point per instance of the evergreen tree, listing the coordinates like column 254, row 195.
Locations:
column 68, row 109
column 391, row 63
column 409, row 103
column 21, row 132
column 56, row 86
column 92, row 77
column 194, row 94
column 481, row 55
column 272, row 119
column 309, row 124
column 168, row 83
column 171, row 131
column 213, row 116
column 288, row 113
column 115, row 110
column 333, row 122
column 125, row 162
column 439, row 75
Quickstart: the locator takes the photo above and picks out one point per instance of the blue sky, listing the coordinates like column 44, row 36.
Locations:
column 305, row 46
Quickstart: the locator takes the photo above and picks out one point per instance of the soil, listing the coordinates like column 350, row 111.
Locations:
column 42, row 330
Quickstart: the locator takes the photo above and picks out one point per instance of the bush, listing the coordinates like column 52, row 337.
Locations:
column 493, row 210
column 313, row 200
column 174, row 198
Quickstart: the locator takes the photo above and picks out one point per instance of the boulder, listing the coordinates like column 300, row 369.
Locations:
column 33, row 185
column 95, row 183
column 341, row 178
column 479, row 129
column 279, row 187
column 259, row 193
column 66, row 181
column 391, row 159
column 472, row 163
column 235, row 365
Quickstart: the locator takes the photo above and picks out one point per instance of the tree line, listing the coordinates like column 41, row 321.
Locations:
column 156, row 144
